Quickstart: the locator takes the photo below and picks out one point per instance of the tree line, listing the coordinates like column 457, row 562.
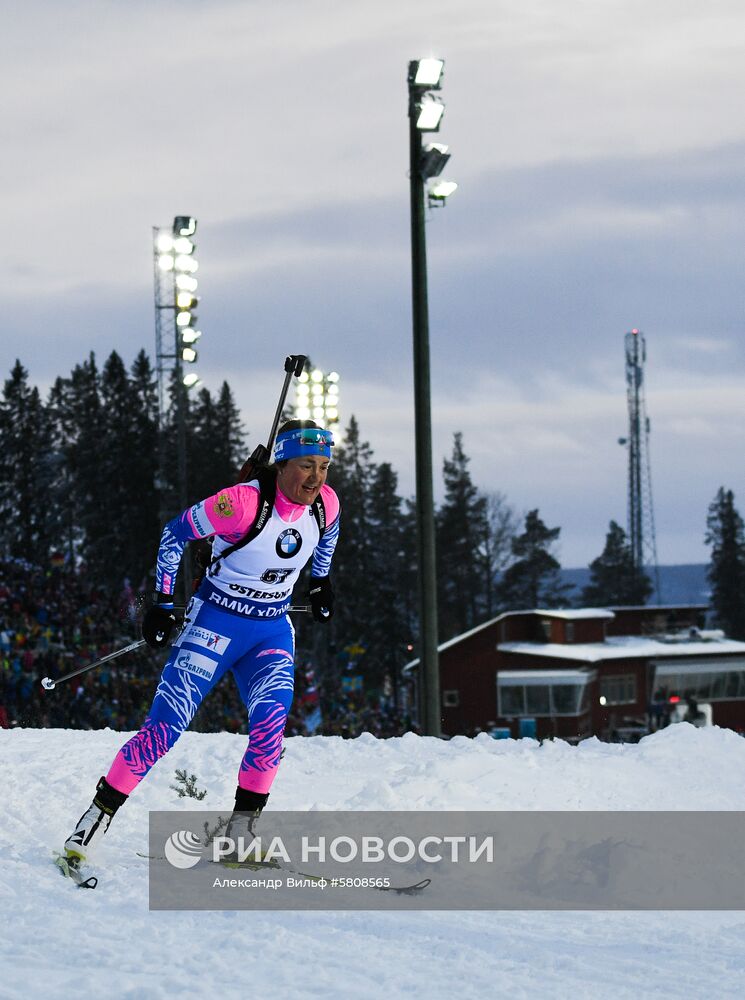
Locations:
column 79, row 474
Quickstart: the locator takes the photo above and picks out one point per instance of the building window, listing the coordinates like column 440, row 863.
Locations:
column 541, row 699
column 720, row 685
column 546, row 629
column 618, row 690
column 569, row 632
column 450, row 699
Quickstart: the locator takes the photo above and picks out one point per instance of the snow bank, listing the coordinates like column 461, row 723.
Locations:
column 59, row 940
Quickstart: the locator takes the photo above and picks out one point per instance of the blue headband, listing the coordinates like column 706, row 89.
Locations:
column 303, row 441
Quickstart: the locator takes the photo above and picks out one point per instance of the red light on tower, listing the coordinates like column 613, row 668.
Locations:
column 674, row 699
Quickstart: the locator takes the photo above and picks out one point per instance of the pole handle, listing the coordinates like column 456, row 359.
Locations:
column 261, row 455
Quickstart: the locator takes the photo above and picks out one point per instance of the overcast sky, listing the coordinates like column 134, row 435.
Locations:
column 601, row 164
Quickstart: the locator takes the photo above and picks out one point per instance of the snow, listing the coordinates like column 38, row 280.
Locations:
column 623, row 646
column 59, row 941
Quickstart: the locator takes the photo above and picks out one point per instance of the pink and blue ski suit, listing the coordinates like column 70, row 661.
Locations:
column 237, row 621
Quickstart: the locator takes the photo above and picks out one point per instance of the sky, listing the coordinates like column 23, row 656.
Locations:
column 601, row 172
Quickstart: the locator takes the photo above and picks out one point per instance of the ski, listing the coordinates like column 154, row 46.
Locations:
column 406, row 890
column 70, row 870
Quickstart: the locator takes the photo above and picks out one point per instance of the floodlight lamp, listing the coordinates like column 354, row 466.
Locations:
column 189, row 336
column 188, row 354
column 332, row 377
column 185, row 283
column 303, row 413
column 317, row 375
column 185, row 300
column 185, row 318
column 184, row 225
column 441, row 190
column 430, row 116
column 190, row 380
column 318, row 413
column 183, row 245
column 302, row 390
column 165, row 262
column 164, row 243
column 434, row 158
column 426, row 73
column 184, row 263
column 303, row 377
column 332, row 413
column 333, row 389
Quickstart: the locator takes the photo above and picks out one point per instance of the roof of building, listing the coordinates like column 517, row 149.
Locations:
column 624, row 646
column 574, row 652
column 576, row 614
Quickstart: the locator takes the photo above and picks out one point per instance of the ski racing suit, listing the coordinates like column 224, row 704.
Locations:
column 238, row 621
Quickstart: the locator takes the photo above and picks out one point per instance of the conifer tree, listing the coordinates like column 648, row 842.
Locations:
column 201, row 440
column 230, row 441
column 351, row 474
column 614, row 579
column 462, row 534
column 726, row 536
column 388, row 610
column 533, row 580
column 143, row 467
column 28, row 470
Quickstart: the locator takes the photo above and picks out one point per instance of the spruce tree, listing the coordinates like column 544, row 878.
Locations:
column 29, row 470
column 388, row 616
column 533, row 580
column 614, row 579
column 230, row 442
column 726, row 536
column 462, row 534
column 80, row 414
column 351, row 474
column 143, row 497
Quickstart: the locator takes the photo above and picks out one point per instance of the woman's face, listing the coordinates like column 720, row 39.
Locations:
column 301, row 479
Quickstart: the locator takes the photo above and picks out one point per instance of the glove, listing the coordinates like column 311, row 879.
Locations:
column 321, row 598
column 159, row 622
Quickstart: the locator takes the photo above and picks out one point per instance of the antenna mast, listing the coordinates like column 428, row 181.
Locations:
column 640, row 509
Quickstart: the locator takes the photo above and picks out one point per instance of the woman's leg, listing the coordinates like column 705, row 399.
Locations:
column 265, row 678
column 206, row 649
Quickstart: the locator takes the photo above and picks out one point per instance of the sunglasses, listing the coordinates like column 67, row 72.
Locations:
column 312, row 436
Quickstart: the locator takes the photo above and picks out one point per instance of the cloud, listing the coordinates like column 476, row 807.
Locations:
column 601, row 187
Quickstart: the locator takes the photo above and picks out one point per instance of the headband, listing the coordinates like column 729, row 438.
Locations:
column 303, row 441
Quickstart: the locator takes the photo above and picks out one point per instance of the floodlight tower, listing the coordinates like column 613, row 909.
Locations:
column 425, row 111
column 642, row 539
column 317, row 397
column 175, row 338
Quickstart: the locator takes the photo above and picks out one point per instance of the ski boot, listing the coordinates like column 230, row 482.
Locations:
column 241, row 828
column 93, row 824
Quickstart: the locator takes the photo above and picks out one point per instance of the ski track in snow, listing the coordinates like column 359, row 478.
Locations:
column 59, row 941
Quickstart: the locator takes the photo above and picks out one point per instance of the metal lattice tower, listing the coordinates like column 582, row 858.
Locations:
column 641, row 531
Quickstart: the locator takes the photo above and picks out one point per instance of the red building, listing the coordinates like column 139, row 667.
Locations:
column 613, row 673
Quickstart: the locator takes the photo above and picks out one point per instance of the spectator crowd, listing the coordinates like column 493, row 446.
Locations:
column 54, row 621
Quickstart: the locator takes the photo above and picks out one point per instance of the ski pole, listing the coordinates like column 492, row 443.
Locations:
column 49, row 685
column 261, row 454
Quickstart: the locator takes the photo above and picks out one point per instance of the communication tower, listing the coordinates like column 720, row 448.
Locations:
column 641, row 531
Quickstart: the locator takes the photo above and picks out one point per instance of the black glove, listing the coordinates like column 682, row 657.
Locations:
column 321, row 598
column 159, row 622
